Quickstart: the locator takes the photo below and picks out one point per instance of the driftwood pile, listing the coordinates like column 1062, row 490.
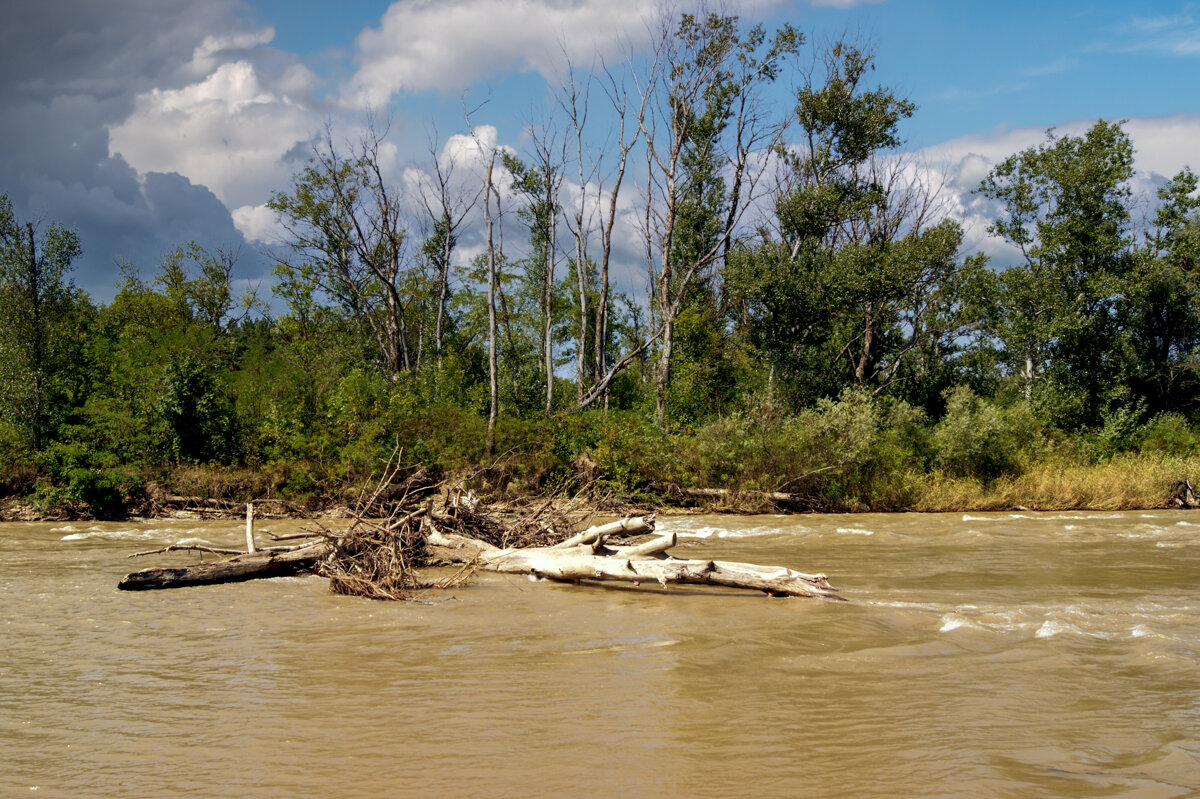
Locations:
column 386, row 558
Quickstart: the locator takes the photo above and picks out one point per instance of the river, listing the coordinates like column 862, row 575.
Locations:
column 1007, row 655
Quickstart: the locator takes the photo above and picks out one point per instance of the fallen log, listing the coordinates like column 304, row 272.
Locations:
column 778, row 497
column 251, row 566
column 646, row 563
column 583, row 556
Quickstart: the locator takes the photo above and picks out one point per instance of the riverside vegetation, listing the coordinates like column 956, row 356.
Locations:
column 812, row 324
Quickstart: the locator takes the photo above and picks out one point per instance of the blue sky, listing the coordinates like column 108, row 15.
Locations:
column 148, row 123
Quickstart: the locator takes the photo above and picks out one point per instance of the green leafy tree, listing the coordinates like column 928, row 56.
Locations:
column 855, row 287
column 1159, row 304
column 1065, row 207
column 706, row 119
column 198, row 412
column 43, row 320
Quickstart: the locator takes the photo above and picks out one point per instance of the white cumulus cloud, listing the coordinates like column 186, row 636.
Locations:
column 228, row 131
column 448, row 44
column 1162, row 147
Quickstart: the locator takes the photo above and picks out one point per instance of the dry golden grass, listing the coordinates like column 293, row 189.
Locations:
column 1127, row 482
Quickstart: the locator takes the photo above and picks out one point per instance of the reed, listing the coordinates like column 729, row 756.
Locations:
column 1130, row 481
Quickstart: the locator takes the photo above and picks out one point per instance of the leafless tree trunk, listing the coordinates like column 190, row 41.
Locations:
column 354, row 226
column 576, row 107
column 705, row 61
column 619, row 97
column 446, row 210
column 493, row 371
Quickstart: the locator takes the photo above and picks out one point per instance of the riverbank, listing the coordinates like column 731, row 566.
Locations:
column 1129, row 481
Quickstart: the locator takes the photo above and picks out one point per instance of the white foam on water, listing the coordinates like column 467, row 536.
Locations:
column 952, row 621
column 1051, row 628
column 1186, row 524
column 197, row 542
column 1154, row 532
column 684, row 530
column 854, row 531
column 701, row 532
column 751, row 533
column 1071, row 517
column 999, row 517
column 118, row 535
column 1085, row 516
column 1070, row 526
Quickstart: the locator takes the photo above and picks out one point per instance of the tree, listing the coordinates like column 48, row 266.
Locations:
column 198, row 412
column 601, row 183
column 1158, row 308
column 1065, row 207
column 855, row 281
column 447, row 210
column 346, row 223
column 541, row 184
column 39, row 318
column 705, row 73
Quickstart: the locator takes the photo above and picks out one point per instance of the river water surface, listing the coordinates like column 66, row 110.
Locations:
column 1008, row 655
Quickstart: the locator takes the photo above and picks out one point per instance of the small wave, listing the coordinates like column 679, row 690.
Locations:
column 1069, row 517
column 724, row 532
column 1085, row 516
column 1051, row 628
column 197, row 542
column 952, row 621
column 999, row 517
column 1186, row 524
column 114, row 535
column 854, row 531
column 906, row 605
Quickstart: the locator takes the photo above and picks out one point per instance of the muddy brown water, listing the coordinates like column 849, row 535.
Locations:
column 1008, row 655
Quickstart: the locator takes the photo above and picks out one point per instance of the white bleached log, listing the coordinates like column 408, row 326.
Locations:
column 632, row 565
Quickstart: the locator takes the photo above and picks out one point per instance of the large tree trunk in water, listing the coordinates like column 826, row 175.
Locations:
column 591, row 560
column 584, row 556
column 251, row 566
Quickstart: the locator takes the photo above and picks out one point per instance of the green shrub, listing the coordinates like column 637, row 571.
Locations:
column 976, row 438
column 1169, row 434
column 74, row 474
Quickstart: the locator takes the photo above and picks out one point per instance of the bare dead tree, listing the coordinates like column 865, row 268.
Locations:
column 574, row 103
column 347, row 223
column 447, row 207
column 703, row 70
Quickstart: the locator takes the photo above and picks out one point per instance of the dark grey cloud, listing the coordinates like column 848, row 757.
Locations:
column 70, row 69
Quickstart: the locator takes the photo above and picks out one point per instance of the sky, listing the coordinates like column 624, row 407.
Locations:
column 145, row 124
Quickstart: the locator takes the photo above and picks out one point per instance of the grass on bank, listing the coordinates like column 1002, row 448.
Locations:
column 1128, row 481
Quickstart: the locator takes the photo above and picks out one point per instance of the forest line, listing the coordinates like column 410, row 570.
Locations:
column 811, row 322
